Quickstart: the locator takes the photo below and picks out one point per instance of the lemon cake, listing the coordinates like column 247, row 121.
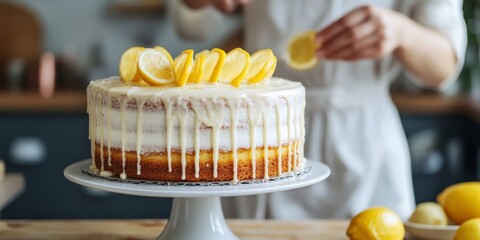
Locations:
column 204, row 131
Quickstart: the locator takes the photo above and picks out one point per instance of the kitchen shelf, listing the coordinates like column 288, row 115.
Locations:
column 420, row 104
column 436, row 104
column 68, row 101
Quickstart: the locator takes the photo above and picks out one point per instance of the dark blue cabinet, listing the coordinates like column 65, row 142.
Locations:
column 57, row 140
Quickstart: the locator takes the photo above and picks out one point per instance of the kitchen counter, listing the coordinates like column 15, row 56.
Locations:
column 422, row 104
column 65, row 101
column 436, row 104
column 149, row 229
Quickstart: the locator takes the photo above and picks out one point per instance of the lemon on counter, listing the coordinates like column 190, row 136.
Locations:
column 376, row 223
column 469, row 230
column 461, row 201
column 429, row 213
column 301, row 51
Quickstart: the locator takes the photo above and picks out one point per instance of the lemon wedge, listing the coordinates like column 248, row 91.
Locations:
column 128, row 64
column 301, row 51
column 262, row 66
column 214, row 62
column 155, row 68
column 237, row 63
column 198, row 67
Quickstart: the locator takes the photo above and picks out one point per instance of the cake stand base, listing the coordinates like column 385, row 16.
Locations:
column 197, row 218
column 196, row 211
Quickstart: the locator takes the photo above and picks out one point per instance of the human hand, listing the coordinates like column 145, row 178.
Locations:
column 365, row 32
column 226, row 6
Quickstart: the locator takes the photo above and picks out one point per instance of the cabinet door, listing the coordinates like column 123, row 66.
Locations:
column 443, row 151
column 41, row 145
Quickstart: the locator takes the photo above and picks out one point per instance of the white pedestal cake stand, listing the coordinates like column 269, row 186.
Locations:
column 196, row 211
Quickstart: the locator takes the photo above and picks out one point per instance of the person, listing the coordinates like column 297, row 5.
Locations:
column 352, row 124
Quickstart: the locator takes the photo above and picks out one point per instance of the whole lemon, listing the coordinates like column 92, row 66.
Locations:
column 429, row 213
column 461, row 201
column 469, row 230
column 376, row 223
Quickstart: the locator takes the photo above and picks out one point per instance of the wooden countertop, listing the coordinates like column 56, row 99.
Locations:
column 33, row 102
column 420, row 104
column 150, row 229
column 435, row 104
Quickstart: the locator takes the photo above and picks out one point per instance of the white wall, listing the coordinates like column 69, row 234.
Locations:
column 72, row 27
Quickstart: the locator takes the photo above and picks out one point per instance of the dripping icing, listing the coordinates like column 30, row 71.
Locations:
column 109, row 126
column 123, row 104
column 139, row 134
column 289, row 133
column 234, row 104
column 265, row 144
column 279, row 138
column 211, row 120
column 181, row 115
column 102, row 168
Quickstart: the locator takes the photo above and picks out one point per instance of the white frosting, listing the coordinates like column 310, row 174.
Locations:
column 216, row 117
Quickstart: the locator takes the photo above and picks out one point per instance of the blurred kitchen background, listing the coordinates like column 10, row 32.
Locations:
column 51, row 49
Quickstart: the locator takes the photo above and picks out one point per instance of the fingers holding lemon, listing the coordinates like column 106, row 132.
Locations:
column 301, row 51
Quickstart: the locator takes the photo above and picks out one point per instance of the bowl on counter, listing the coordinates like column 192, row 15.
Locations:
column 430, row 232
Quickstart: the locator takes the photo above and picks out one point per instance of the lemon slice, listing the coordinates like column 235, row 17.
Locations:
column 183, row 65
column 155, row 68
column 262, row 66
column 128, row 64
column 302, row 51
column 204, row 52
column 213, row 65
column 164, row 52
column 237, row 63
column 197, row 71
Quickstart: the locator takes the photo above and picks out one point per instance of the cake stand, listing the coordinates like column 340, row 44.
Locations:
column 196, row 210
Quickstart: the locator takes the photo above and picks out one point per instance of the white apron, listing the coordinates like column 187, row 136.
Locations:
column 351, row 123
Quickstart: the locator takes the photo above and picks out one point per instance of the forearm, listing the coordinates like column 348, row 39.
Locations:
column 426, row 53
column 196, row 4
column 195, row 23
